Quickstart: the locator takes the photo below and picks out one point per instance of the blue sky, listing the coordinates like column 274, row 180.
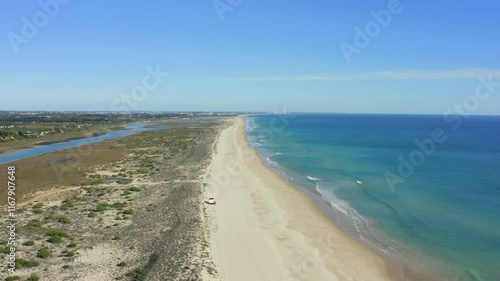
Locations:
column 254, row 55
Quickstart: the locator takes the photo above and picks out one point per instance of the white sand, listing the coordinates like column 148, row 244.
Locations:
column 266, row 229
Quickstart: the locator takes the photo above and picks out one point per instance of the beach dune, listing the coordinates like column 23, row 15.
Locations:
column 266, row 229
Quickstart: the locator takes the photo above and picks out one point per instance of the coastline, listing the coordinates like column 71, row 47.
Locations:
column 266, row 229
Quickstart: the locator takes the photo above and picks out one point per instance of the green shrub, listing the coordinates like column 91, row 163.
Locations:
column 3, row 242
column 44, row 253
column 119, row 205
column 70, row 203
column 64, row 219
column 55, row 239
column 128, row 212
column 33, row 277
column 72, row 245
column 135, row 189
column 38, row 206
column 35, row 226
column 22, row 263
column 122, row 264
column 135, row 272
column 126, row 192
column 4, row 250
column 117, row 238
column 12, row 278
column 29, row 243
column 101, row 207
column 67, row 253
column 34, row 223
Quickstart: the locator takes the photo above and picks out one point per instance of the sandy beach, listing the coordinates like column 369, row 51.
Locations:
column 265, row 229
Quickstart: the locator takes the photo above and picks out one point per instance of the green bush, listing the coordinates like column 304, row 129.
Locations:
column 44, row 253
column 64, row 219
column 67, row 253
column 35, row 227
column 92, row 214
column 119, row 205
column 122, row 264
column 22, row 263
column 101, row 207
column 126, row 192
column 33, row 277
column 72, row 245
column 69, row 203
column 38, row 206
column 34, row 223
column 135, row 189
column 117, row 238
column 4, row 250
column 128, row 212
column 55, row 239
column 29, row 243
column 12, row 278
column 135, row 272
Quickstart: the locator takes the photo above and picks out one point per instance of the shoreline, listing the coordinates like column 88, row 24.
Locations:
column 266, row 229
column 398, row 268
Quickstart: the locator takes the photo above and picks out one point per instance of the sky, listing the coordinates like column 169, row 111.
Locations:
column 377, row 56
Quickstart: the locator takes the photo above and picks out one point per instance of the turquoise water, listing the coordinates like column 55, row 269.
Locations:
column 30, row 152
column 443, row 216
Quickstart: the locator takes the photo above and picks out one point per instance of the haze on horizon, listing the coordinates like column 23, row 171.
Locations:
column 382, row 56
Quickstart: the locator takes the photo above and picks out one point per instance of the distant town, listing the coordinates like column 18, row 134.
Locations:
column 21, row 125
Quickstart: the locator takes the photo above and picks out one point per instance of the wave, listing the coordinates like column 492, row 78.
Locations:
column 362, row 225
column 313, row 179
column 251, row 125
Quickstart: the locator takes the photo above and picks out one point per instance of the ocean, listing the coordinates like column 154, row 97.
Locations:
column 423, row 189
